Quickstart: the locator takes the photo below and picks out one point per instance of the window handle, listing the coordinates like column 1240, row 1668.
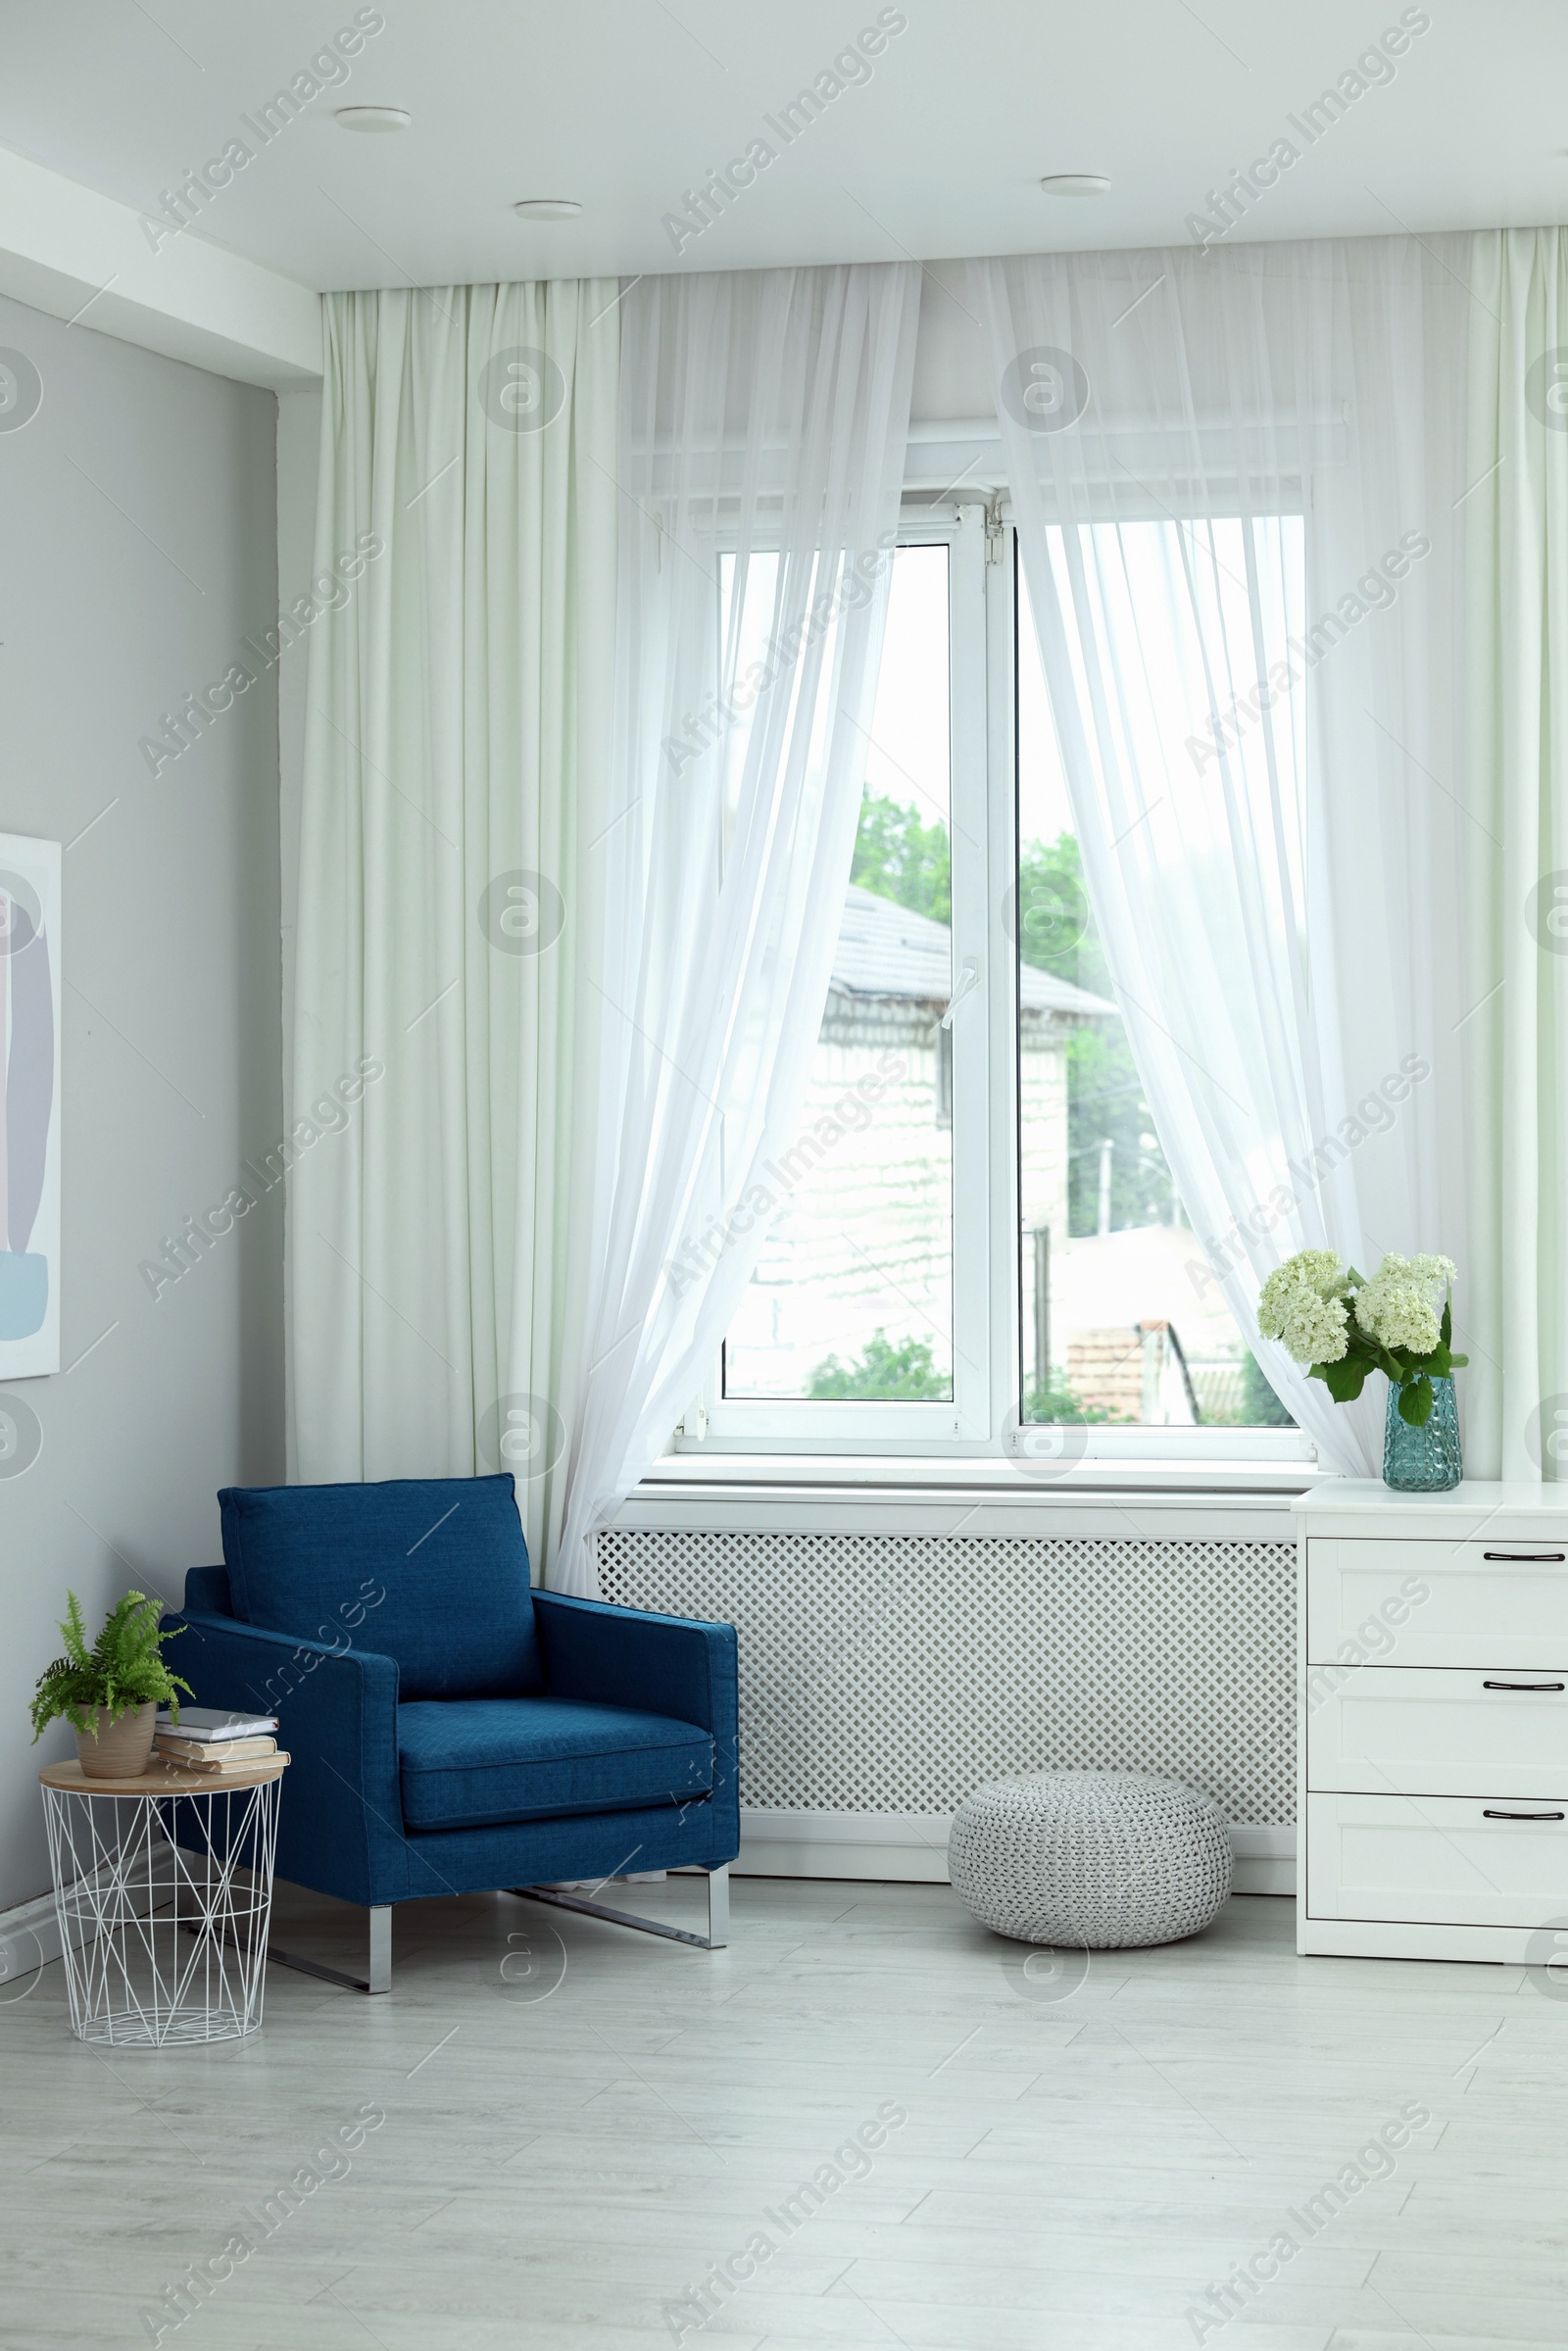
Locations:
column 1542, row 1687
column 969, row 982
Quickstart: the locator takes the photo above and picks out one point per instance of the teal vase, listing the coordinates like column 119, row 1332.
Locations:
column 1423, row 1460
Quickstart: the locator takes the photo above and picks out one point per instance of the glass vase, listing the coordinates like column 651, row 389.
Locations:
column 1423, row 1460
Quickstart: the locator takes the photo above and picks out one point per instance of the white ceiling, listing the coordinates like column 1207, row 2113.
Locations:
column 624, row 104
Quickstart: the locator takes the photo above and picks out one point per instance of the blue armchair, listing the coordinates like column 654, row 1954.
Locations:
column 453, row 1730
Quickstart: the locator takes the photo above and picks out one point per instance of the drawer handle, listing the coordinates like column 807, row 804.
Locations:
column 1521, row 1816
column 1542, row 1687
column 1529, row 1559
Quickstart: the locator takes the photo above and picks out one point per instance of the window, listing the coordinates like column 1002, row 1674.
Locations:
column 983, row 1237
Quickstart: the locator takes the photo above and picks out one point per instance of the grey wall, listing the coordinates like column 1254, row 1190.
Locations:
column 138, row 548
column 299, row 439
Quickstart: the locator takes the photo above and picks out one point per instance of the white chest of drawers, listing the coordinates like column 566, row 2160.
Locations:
column 1432, row 1815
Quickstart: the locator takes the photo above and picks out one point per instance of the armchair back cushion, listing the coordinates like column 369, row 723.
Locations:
column 431, row 1571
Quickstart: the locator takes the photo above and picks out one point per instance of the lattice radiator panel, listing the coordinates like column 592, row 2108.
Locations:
column 894, row 1673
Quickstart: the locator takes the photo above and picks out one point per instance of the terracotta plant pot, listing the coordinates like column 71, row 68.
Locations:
column 120, row 1751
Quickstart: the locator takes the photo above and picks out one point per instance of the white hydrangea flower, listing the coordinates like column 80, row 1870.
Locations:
column 1398, row 1307
column 1303, row 1304
column 1274, row 1303
column 1320, row 1269
column 1317, row 1330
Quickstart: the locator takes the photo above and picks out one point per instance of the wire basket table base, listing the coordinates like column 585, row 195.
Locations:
column 164, row 1893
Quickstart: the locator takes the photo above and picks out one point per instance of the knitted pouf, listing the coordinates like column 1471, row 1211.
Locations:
column 1106, row 1861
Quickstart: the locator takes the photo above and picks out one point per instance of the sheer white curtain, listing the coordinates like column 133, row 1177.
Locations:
column 763, row 422
column 1238, row 480
column 455, row 768
column 1517, row 769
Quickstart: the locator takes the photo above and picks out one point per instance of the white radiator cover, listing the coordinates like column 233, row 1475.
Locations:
column 882, row 1677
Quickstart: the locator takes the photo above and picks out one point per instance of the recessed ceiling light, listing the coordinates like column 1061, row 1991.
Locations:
column 372, row 118
column 548, row 207
column 1076, row 184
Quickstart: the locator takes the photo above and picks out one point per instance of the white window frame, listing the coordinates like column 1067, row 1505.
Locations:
column 981, row 1420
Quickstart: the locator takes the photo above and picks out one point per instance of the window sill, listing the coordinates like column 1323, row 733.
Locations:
column 1169, row 1501
column 923, row 1474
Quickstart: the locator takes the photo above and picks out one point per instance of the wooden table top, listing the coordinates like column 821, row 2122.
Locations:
column 165, row 1778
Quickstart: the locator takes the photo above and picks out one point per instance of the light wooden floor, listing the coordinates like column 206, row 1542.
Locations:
column 563, row 2154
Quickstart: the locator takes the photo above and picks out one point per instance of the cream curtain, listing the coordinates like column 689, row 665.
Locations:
column 455, row 778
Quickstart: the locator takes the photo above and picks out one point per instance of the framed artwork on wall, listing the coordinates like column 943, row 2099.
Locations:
column 30, row 1106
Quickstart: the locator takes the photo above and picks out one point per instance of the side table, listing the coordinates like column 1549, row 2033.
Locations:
column 163, row 1890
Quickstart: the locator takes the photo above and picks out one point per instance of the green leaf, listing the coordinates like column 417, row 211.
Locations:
column 1447, row 1319
column 1416, row 1400
column 75, row 1631
column 1343, row 1380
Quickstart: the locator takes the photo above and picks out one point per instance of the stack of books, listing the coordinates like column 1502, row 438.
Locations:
column 207, row 1740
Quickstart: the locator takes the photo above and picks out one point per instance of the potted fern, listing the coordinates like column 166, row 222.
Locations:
column 110, row 1693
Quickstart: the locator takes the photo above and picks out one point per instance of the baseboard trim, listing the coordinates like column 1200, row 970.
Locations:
column 29, row 1937
column 911, row 1848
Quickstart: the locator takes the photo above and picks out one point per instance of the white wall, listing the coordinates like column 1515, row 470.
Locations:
column 137, row 515
column 951, row 359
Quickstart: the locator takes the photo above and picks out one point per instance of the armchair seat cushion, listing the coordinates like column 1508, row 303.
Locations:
column 467, row 1763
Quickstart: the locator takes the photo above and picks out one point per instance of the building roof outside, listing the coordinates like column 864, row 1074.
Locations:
column 886, row 951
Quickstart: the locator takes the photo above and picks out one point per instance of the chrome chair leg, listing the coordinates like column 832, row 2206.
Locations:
column 714, row 1939
column 718, row 1908
column 380, row 1974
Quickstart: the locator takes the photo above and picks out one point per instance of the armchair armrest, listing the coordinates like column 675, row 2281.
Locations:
column 340, row 1821
column 630, row 1657
column 676, row 1665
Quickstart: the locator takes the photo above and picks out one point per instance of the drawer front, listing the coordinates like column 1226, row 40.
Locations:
column 1486, row 1603
column 1435, row 1732
column 1436, row 1860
